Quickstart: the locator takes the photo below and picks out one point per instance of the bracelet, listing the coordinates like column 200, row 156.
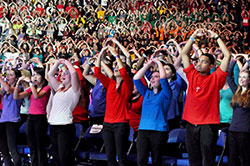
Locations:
column 89, row 63
column 144, row 55
column 117, row 56
column 193, row 39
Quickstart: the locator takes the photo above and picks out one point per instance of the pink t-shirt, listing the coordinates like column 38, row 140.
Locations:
column 38, row 106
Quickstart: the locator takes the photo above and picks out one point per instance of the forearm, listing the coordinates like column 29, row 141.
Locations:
column 161, row 70
column 6, row 87
column 16, row 90
column 226, row 53
column 70, row 67
column 141, row 72
column 140, row 63
column 53, row 70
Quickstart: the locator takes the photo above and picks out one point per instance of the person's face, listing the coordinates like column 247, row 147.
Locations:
column 36, row 78
column 11, row 77
column 155, row 80
column 66, row 78
column 244, row 79
column 203, row 65
column 169, row 72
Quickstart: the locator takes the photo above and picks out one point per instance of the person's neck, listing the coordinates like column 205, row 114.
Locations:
column 204, row 73
column 66, row 86
column 118, row 81
column 39, row 85
column 155, row 90
column 244, row 89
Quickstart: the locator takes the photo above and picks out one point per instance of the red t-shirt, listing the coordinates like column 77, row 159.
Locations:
column 135, row 114
column 80, row 113
column 203, row 96
column 116, row 102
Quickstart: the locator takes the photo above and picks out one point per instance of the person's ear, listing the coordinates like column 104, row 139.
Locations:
column 211, row 66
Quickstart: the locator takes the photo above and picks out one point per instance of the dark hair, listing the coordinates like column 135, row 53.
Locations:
column 210, row 57
column 174, row 77
column 17, row 73
column 41, row 72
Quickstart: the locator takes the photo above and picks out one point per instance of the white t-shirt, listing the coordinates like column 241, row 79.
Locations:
column 63, row 104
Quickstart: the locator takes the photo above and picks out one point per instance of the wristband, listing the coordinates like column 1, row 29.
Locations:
column 191, row 38
column 144, row 55
column 89, row 63
column 117, row 56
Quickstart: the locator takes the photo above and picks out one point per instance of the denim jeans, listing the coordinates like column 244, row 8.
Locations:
column 201, row 144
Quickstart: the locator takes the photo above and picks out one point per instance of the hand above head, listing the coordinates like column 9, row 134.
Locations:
column 112, row 51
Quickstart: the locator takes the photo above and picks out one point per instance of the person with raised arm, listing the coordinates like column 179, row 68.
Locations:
column 153, row 125
column 10, row 118
column 66, row 97
column 239, row 129
column 37, row 124
column 116, row 126
column 202, row 103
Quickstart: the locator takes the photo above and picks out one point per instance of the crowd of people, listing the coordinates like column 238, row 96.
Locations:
column 151, row 65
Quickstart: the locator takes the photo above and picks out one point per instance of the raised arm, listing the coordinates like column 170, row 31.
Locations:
column 227, row 56
column 19, row 95
column 75, row 82
column 51, row 75
column 187, row 49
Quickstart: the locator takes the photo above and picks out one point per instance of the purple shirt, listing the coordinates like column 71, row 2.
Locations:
column 11, row 109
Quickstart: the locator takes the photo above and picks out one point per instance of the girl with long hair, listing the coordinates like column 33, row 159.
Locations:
column 10, row 118
column 239, row 129
column 37, row 125
column 116, row 126
column 60, row 118
column 153, row 125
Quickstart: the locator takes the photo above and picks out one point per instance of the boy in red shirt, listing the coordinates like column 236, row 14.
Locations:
column 202, row 104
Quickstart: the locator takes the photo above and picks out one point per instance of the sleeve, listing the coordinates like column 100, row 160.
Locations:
column 221, row 77
column 28, row 90
column 126, row 78
column 46, row 89
column 181, row 83
column 140, row 87
column 182, row 74
column 166, row 88
column 148, row 74
column 102, row 78
column 190, row 71
column 230, row 79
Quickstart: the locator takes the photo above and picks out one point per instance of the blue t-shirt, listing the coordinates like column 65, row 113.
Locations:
column 155, row 106
column 98, row 105
column 176, row 87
